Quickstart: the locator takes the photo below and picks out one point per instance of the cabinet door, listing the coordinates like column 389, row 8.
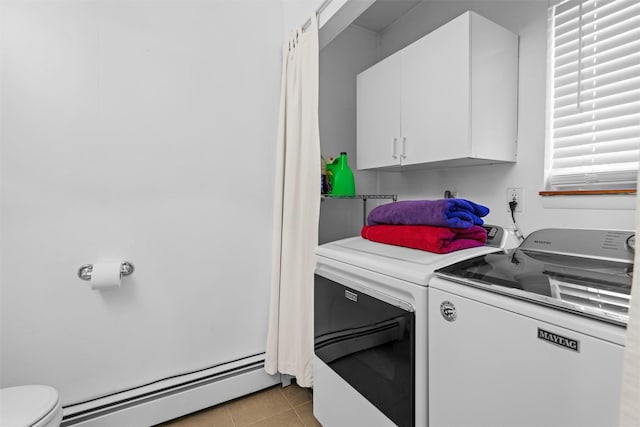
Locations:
column 435, row 95
column 378, row 115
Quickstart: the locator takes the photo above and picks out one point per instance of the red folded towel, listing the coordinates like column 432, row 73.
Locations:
column 440, row 240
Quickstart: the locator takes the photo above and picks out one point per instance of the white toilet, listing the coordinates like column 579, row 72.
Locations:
column 30, row 406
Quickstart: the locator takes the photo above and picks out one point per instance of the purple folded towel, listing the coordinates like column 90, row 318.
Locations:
column 453, row 213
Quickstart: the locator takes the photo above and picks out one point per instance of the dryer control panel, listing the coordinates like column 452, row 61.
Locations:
column 500, row 237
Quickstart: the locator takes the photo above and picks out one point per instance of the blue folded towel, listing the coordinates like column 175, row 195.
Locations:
column 453, row 213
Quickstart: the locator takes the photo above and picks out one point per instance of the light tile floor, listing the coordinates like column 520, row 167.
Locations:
column 278, row 406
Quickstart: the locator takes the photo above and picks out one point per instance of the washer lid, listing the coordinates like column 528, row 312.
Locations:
column 26, row 405
column 591, row 287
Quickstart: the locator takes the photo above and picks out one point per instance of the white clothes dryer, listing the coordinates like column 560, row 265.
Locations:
column 371, row 314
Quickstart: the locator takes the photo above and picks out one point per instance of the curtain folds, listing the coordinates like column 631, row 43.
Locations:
column 296, row 211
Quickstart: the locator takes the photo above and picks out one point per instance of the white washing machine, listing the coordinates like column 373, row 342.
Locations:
column 370, row 363
column 533, row 336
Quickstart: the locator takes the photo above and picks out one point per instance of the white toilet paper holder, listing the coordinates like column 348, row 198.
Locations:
column 84, row 272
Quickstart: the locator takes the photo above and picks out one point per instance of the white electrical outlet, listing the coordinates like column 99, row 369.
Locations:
column 514, row 193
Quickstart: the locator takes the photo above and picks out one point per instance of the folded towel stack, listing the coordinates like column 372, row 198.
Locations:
column 453, row 213
column 439, row 226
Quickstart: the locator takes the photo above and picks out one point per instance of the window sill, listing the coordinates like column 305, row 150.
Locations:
column 586, row 192
column 590, row 199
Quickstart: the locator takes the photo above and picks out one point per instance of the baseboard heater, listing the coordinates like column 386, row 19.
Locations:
column 172, row 397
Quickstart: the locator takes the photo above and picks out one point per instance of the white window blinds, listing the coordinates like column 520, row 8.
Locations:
column 595, row 105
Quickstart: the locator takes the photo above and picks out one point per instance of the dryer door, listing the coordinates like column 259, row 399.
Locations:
column 370, row 344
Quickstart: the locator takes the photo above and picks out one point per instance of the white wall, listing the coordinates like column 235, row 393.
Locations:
column 140, row 131
column 353, row 51
column 487, row 184
column 296, row 13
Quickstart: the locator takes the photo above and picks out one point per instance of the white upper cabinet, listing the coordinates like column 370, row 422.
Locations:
column 448, row 99
column 378, row 97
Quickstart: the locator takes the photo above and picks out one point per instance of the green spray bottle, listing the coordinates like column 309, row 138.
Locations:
column 341, row 177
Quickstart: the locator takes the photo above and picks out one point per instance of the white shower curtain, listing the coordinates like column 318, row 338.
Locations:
column 296, row 213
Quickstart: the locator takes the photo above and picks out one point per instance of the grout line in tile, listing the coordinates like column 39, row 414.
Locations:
column 302, row 403
column 285, row 397
column 261, row 419
column 272, row 416
column 226, row 407
column 298, row 416
column 264, row 418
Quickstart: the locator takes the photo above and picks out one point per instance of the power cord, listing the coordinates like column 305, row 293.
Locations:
column 516, row 228
column 512, row 207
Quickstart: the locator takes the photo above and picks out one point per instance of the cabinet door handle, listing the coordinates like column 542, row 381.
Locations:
column 393, row 148
column 403, row 154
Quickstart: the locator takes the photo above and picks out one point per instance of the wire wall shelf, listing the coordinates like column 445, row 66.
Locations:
column 364, row 198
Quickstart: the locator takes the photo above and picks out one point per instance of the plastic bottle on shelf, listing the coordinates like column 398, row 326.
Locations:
column 325, row 187
column 341, row 177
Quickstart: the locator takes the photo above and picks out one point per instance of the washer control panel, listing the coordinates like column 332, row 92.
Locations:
column 614, row 245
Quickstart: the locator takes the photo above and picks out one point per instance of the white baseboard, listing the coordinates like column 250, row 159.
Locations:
column 176, row 402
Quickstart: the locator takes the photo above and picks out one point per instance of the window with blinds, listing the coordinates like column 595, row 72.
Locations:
column 595, row 94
